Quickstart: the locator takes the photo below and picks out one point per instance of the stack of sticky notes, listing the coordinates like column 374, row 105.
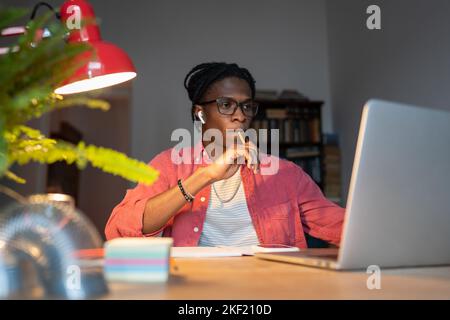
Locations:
column 137, row 259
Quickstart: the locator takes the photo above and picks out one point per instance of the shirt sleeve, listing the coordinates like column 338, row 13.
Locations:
column 321, row 218
column 126, row 219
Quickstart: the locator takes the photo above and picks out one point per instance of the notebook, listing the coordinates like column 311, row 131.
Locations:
column 226, row 251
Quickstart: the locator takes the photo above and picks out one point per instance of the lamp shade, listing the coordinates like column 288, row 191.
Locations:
column 107, row 65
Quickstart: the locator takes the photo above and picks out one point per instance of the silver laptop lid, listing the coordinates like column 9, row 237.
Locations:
column 398, row 208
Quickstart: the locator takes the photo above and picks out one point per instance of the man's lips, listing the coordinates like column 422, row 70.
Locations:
column 236, row 128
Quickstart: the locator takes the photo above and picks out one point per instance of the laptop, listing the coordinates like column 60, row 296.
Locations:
column 398, row 206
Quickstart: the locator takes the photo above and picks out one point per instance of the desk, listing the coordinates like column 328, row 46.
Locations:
column 252, row 278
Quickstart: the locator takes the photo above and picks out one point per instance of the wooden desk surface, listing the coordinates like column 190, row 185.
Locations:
column 252, row 278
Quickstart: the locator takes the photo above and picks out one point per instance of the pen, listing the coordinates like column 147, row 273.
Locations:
column 243, row 142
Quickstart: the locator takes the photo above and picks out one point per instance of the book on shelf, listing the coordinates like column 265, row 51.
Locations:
column 331, row 150
column 295, row 125
column 296, row 129
column 315, row 130
column 260, row 124
column 331, row 181
column 332, row 168
column 331, row 158
column 288, row 132
column 291, row 130
column 277, row 113
column 256, row 123
column 299, row 152
column 275, row 124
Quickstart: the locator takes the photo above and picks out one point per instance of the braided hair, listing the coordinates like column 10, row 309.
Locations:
column 202, row 76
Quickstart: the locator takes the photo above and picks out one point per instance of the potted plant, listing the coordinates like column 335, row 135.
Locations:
column 30, row 71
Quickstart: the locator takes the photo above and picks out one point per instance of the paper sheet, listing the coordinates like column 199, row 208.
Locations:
column 206, row 252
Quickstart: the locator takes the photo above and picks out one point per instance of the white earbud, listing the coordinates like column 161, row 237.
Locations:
column 200, row 116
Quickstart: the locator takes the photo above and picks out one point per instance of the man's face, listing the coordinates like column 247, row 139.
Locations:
column 234, row 88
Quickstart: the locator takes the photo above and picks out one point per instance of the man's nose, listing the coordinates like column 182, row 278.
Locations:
column 239, row 115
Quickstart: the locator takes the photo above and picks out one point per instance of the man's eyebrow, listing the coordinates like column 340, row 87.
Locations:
column 244, row 100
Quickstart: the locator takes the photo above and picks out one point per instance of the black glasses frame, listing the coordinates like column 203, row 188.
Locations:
column 236, row 105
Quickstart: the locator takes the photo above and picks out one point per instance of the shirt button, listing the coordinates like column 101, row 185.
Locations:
column 195, row 229
column 202, row 199
column 197, row 159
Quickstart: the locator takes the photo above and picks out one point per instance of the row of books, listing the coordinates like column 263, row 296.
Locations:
column 292, row 130
column 301, row 152
column 291, row 112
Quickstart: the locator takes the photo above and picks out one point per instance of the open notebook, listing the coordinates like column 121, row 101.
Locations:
column 206, row 252
column 92, row 256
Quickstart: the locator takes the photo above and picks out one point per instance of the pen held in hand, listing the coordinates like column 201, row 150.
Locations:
column 255, row 165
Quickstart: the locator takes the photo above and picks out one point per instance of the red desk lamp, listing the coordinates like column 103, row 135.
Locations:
column 106, row 66
column 109, row 66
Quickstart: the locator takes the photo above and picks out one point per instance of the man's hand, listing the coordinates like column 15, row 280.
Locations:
column 228, row 163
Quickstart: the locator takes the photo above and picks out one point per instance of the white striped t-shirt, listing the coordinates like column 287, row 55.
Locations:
column 229, row 223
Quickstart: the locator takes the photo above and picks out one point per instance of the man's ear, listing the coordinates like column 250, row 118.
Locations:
column 197, row 108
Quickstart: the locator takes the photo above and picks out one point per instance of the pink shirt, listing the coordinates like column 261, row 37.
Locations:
column 282, row 207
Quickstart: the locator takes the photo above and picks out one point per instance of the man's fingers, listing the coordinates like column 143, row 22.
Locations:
column 253, row 151
column 243, row 157
column 241, row 154
column 252, row 155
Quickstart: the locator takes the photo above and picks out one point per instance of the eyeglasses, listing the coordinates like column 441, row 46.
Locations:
column 228, row 106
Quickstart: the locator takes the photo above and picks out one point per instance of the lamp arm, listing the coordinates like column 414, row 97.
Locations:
column 16, row 31
column 44, row 4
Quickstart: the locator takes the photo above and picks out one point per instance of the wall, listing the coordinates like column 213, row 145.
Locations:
column 406, row 61
column 283, row 43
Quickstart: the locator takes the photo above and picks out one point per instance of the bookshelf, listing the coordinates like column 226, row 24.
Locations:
column 302, row 142
column 300, row 132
